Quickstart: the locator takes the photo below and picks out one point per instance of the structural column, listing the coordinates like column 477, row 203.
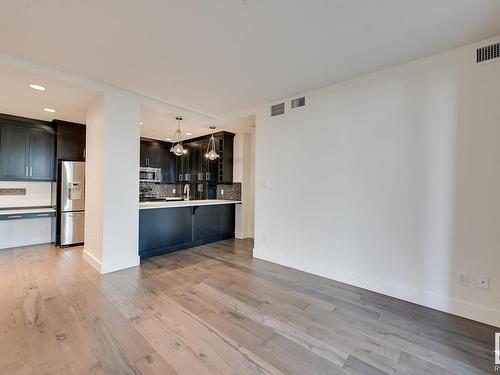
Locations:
column 112, row 183
column 244, row 170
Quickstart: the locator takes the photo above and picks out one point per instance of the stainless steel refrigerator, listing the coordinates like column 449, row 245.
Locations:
column 72, row 204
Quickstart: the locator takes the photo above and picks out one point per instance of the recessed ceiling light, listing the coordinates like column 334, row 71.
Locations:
column 168, row 139
column 189, row 133
column 34, row 86
column 141, row 123
column 49, row 110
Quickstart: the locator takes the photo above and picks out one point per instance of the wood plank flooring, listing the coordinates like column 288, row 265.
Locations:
column 216, row 310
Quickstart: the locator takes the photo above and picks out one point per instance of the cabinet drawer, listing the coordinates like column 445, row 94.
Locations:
column 30, row 215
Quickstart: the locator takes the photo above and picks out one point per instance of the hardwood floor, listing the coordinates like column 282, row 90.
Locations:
column 215, row 310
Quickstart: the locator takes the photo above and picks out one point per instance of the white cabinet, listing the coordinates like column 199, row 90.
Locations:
column 25, row 232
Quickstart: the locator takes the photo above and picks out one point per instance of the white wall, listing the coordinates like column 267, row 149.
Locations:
column 38, row 194
column 112, row 184
column 390, row 182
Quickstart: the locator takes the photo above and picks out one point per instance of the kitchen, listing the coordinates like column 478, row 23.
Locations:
column 184, row 200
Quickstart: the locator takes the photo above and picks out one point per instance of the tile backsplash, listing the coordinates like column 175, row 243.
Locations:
column 34, row 194
column 230, row 192
column 163, row 190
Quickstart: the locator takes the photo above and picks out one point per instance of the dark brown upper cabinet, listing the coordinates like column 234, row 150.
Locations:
column 150, row 155
column 219, row 170
column 224, row 144
column 156, row 154
column 71, row 141
column 27, row 149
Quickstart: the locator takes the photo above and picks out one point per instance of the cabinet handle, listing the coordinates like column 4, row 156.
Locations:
column 31, row 171
column 207, row 176
column 14, row 217
column 27, row 171
column 42, row 215
column 84, row 153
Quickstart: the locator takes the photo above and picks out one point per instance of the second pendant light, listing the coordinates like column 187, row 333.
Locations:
column 177, row 148
column 211, row 154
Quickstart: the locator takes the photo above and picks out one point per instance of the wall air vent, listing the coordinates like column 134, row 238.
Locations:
column 277, row 109
column 299, row 102
column 488, row 53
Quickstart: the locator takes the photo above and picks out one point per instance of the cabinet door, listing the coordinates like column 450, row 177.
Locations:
column 14, row 152
column 143, row 157
column 154, row 156
column 186, row 164
column 71, row 142
column 211, row 223
column 196, row 164
column 150, row 154
column 179, row 171
column 211, row 173
column 42, row 155
column 167, row 164
column 164, row 228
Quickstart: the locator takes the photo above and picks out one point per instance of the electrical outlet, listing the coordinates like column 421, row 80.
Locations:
column 265, row 184
column 462, row 279
column 173, row 191
column 221, row 191
column 483, row 282
column 265, row 237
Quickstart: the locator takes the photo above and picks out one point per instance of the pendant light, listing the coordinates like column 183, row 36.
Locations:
column 211, row 154
column 178, row 150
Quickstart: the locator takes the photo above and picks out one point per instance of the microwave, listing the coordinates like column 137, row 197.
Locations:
column 147, row 174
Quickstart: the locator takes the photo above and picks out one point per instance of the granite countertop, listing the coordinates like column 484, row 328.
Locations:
column 191, row 203
column 27, row 210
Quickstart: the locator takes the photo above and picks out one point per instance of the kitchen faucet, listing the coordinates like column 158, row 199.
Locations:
column 186, row 191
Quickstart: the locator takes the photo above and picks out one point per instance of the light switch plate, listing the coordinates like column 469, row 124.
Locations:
column 462, row 278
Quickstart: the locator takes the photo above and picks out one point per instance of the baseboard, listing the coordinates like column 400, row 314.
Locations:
column 242, row 235
column 103, row 268
column 118, row 267
column 93, row 261
column 483, row 314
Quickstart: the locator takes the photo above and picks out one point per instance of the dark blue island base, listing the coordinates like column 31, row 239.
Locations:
column 165, row 230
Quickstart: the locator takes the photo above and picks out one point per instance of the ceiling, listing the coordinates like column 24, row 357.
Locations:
column 161, row 124
column 224, row 56
column 71, row 102
column 17, row 98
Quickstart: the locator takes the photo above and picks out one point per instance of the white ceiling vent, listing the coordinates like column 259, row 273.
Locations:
column 277, row 109
column 488, row 53
column 299, row 102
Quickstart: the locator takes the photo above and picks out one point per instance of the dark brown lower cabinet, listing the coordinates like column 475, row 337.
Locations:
column 165, row 230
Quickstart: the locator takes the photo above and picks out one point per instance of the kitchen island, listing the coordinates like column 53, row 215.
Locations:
column 166, row 227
